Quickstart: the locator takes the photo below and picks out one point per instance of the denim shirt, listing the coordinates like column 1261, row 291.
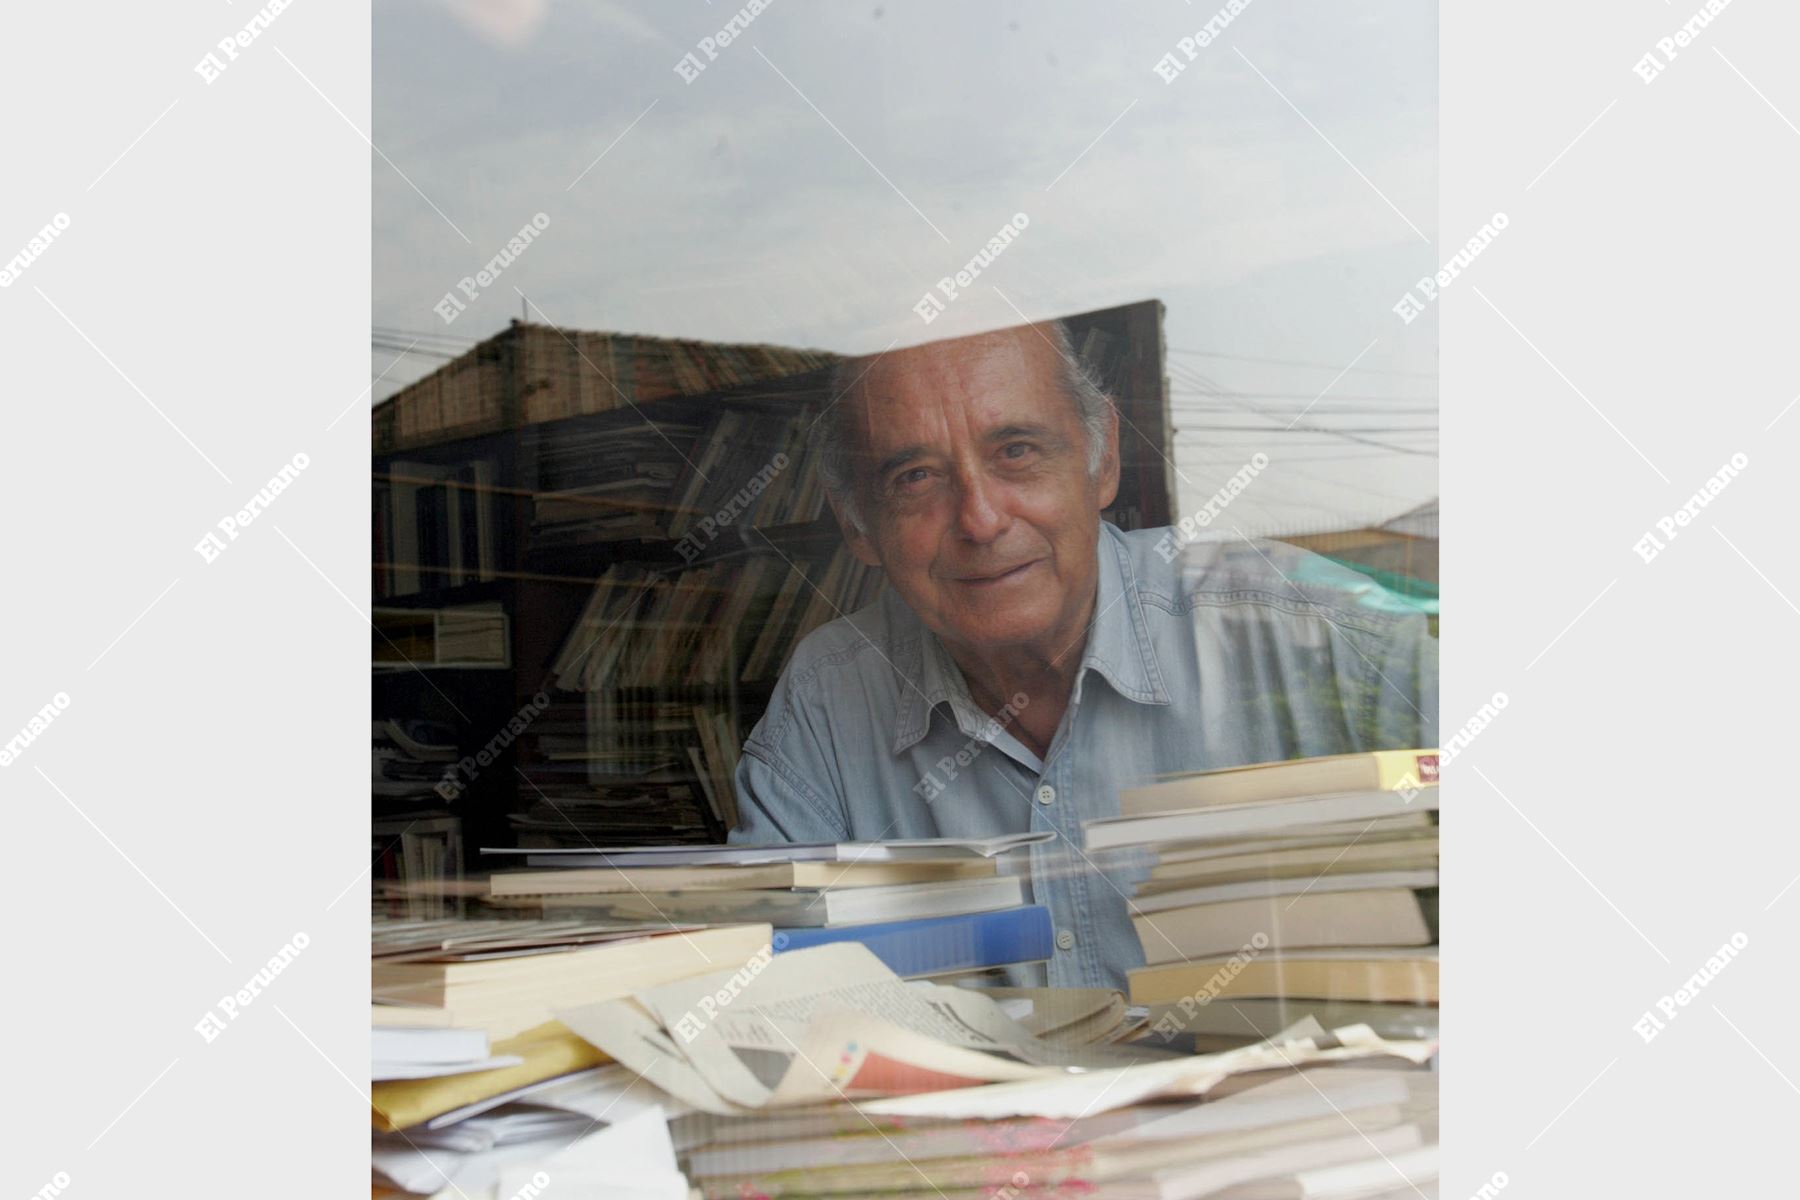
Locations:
column 1231, row 652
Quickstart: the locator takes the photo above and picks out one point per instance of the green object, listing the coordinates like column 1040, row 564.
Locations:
column 1399, row 591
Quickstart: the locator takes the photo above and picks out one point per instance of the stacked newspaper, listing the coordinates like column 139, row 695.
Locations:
column 821, row 1073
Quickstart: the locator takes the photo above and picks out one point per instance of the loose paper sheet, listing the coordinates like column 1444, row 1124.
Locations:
column 1073, row 1096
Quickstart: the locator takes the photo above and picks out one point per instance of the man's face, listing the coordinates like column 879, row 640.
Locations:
column 975, row 490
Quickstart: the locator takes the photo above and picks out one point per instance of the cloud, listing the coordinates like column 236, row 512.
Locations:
column 511, row 23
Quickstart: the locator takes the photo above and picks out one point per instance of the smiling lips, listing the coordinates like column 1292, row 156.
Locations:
column 984, row 581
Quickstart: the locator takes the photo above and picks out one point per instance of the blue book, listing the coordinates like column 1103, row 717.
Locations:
column 936, row 945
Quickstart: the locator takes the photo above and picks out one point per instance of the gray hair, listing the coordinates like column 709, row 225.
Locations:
column 834, row 433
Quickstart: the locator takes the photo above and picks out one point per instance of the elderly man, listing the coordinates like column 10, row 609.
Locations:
column 1029, row 659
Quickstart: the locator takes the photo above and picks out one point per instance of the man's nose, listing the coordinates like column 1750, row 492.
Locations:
column 979, row 513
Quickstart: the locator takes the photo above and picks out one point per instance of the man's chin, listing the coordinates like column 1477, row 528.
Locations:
column 981, row 630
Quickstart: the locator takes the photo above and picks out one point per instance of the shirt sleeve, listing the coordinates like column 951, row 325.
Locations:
column 775, row 805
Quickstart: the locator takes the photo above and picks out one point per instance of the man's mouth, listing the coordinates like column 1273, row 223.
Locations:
column 998, row 577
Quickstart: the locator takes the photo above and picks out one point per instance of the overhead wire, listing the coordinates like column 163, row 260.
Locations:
column 1294, row 362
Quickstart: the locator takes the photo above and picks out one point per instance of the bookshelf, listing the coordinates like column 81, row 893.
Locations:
column 562, row 482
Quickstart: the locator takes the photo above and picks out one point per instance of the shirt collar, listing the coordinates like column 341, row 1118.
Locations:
column 1118, row 647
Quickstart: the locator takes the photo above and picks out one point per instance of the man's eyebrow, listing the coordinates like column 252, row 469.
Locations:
column 1003, row 433
column 1008, row 432
column 898, row 458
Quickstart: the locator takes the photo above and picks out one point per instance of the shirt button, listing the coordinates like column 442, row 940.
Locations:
column 1045, row 795
column 1065, row 940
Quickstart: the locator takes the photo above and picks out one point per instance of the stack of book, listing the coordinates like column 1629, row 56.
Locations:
column 715, row 623
column 755, row 468
column 463, row 635
column 930, row 907
column 821, row 1073
column 428, row 1052
column 612, row 769
column 747, row 469
column 807, row 600
column 605, row 483
column 505, row 976
column 657, row 807
column 647, row 749
column 409, row 757
column 1332, row 1133
column 1270, row 892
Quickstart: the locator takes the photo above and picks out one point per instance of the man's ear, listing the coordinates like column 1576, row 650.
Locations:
column 859, row 542
column 1106, row 480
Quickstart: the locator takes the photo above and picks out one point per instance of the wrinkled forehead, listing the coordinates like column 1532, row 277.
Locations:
column 925, row 392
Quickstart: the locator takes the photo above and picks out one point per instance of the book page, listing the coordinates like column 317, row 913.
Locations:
column 624, row 1030
column 1070, row 1096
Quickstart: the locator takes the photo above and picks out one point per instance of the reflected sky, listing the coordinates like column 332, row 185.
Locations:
column 813, row 181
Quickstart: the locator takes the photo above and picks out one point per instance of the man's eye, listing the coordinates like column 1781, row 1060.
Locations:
column 1015, row 450
column 907, row 478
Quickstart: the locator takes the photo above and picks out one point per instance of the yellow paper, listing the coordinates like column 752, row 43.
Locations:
column 549, row 1050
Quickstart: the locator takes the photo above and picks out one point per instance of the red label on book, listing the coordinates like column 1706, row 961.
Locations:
column 1428, row 768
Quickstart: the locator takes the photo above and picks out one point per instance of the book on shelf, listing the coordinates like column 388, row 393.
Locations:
column 755, row 470
column 434, row 526
column 715, row 760
column 570, row 811
column 698, row 530
column 466, row 635
column 742, row 468
column 600, row 483
column 660, row 657
column 416, row 861
column 409, row 756
column 711, row 623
